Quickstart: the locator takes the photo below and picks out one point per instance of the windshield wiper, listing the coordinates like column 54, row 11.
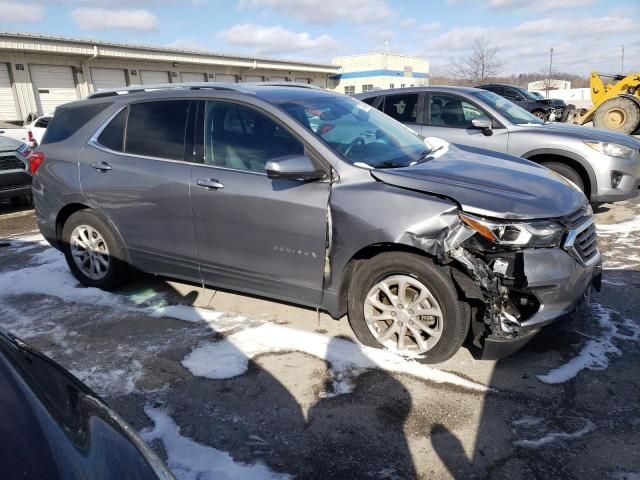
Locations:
column 426, row 155
column 389, row 164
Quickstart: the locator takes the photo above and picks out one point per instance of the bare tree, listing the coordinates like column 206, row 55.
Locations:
column 481, row 64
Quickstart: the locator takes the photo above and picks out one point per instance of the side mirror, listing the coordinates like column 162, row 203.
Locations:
column 483, row 123
column 294, row 167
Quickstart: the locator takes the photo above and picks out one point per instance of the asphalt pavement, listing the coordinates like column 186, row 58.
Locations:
column 262, row 389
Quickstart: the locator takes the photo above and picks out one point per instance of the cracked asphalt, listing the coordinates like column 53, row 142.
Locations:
column 283, row 412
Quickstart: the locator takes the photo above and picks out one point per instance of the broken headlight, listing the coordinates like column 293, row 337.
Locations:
column 534, row 233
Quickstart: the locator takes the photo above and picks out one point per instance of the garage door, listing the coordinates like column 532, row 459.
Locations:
column 253, row 78
column 108, row 78
column 54, row 85
column 149, row 77
column 187, row 77
column 224, row 77
column 302, row 80
column 278, row 79
column 8, row 109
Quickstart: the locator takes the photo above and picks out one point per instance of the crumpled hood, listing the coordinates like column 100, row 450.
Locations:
column 490, row 184
column 586, row 134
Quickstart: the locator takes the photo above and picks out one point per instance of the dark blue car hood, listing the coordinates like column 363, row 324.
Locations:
column 490, row 184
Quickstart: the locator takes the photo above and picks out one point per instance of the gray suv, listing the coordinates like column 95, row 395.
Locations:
column 604, row 164
column 315, row 198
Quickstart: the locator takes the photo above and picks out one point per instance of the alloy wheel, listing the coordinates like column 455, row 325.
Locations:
column 402, row 314
column 90, row 252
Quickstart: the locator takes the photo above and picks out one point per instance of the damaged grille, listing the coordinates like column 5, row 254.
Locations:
column 582, row 238
column 586, row 243
column 10, row 163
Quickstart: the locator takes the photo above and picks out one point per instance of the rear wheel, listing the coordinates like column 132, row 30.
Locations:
column 567, row 172
column 93, row 253
column 406, row 303
column 620, row 114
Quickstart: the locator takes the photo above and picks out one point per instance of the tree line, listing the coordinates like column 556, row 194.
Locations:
column 483, row 65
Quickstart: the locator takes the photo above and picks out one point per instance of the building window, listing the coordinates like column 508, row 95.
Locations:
column 392, row 85
column 350, row 90
column 367, row 88
column 402, row 85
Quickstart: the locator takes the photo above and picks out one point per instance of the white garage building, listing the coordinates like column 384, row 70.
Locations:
column 38, row 73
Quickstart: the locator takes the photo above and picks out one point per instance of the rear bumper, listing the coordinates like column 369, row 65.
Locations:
column 14, row 183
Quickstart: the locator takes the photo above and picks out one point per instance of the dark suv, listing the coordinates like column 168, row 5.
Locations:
column 313, row 197
column 524, row 99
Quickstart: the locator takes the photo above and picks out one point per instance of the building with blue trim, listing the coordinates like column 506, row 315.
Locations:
column 372, row 71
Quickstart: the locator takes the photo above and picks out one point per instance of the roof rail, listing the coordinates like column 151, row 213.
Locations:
column 239, row 87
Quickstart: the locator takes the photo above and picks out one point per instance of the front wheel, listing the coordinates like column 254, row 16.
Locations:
column 94, row 254
column 540, row 114
column 567, row 172
column 406, row 303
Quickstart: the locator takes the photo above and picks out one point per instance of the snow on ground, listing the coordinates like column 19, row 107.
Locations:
column 597, row 351
column 623, row 227
column 554, row 437
column 48, row 274
column 230, row 357
column 189, row 460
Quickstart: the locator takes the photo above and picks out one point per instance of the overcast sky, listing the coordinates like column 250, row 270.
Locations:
column 585, row 34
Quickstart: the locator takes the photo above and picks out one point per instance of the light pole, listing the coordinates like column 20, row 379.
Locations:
column 549, row 76
column 622, row 59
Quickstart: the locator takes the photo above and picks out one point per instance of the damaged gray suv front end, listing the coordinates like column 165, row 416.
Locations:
column 315, row 198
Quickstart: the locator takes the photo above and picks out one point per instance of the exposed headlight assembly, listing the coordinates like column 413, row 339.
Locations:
column 611, row 149
column 536, row 233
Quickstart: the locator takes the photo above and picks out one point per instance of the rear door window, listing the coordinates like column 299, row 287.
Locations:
column 157, row 129
column 403, row 108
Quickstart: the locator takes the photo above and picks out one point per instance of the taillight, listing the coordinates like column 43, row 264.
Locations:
column 35, row 160
column 31, row 140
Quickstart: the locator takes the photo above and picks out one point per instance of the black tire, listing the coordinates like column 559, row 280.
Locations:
column 456, row 314
column 619, row 114
column 568, row 110
column 567, row 172
column 117, row 272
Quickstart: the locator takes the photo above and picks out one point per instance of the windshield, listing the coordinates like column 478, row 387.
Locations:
column 527, row 94
column 537, row 95
column 513, row 113
column 358, row 132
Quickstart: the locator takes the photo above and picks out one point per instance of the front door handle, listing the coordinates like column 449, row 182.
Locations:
column 210, row 184
column 102, row 166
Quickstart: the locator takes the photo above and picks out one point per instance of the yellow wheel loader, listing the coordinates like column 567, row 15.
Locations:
column 616, row 106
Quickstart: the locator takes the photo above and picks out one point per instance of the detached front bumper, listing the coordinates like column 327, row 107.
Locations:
column 560, row 284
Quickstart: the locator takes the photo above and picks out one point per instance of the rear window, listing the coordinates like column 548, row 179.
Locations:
column 113, row 135
column 68, row 120
column 157, row 129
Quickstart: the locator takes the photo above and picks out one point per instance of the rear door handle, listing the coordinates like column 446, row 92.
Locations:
column 210, row 184
column 102, row 166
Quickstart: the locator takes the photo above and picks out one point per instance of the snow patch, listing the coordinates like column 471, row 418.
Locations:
column 230, row 357
column 555, row 436
column 596, row 352
column 190, row 460
column 622, row 227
